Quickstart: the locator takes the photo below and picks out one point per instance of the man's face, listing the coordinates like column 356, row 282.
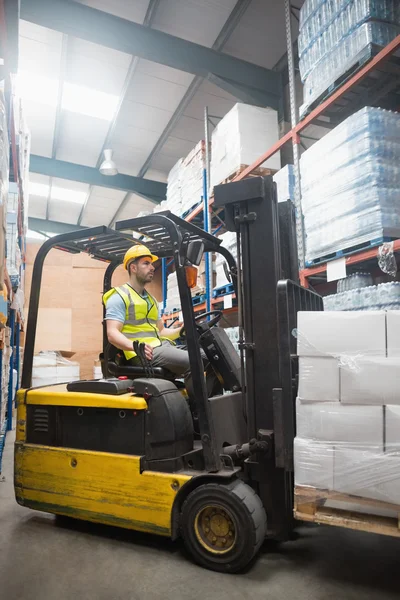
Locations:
column 143, row 268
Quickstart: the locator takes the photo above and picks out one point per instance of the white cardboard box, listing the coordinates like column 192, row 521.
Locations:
column 367, row 474
column 334, row 333
column 393, row 333
column 240, row 137
column 370, row 380
column 392, row 429
column 318, row 379
column 335, row 423
column 313, row 463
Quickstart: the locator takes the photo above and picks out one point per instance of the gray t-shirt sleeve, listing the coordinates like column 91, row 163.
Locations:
column 115, row 308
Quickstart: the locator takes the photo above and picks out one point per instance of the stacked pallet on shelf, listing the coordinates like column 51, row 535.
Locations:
column 350, row 182
column 4, row 347
column 348, row 417
column 185, row 182
column 239, row 139
column 337, row 36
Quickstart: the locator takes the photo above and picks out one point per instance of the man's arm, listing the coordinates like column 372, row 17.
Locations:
column 120, row 341
column 172, row 333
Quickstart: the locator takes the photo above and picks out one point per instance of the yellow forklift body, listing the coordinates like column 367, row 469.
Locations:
column 94, row 486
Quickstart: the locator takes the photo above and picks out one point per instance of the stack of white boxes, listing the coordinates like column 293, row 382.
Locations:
column 174, row 191
column 185, row 182
column 348, row 405
column 51, row 367
column 240, row 138
column 192, row 177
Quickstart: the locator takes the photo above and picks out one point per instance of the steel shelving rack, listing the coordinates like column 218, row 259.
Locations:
column 340, row 104
column 14, row 316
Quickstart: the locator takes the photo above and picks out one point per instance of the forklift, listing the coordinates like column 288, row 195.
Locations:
column 131, row 449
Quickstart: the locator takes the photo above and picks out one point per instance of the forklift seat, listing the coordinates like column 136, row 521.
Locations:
column 116, row 365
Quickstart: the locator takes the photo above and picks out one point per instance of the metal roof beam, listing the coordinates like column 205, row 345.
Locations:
column 237, row 13
column 44, row 226
column 102, row 28
column 153, row 190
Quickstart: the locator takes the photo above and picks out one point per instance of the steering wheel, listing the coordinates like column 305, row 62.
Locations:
column 201, row 323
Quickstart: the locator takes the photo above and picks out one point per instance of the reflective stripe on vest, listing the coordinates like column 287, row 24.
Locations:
column 140, row 320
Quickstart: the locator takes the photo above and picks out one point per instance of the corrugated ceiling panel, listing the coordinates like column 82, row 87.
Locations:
column 40, row 119
column 199, row 21
column 156, row 175
column 135, row 205
column 156, row 92
column 37, row 206
column 141, row 115
column 39, row 56
column 133, row 10
column 94, row 71
column 128, row 159
column 97, row 216
column 260, row 36
column 134, row 137
column 163, row 72
column 189, row 129
column 101, row 206
column 39, row 33
column 177, row 147
column 209, row 95
column 163, row 162
column 65, row 212
column 81, row 138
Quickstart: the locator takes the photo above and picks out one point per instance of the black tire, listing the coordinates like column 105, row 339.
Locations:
column 238, row 510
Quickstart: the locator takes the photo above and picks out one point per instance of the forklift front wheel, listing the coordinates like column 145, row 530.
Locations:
column 223, row 526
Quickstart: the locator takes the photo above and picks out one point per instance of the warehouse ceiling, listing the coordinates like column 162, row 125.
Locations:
column 80, row 97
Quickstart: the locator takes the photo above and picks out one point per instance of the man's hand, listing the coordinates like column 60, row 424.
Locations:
column 148, row 351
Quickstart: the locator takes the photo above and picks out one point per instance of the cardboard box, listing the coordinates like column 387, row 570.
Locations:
column 393, row 333
column 374, row 380
column 318, row 379
column 367, row 474
column 313, row 463
column 359, row 426
column 338, row 332
column 392, row 429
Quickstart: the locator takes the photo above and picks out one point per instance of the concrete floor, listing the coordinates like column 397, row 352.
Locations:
column 43, row 560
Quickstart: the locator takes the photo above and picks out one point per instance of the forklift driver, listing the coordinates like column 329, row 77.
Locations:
column 133, row 314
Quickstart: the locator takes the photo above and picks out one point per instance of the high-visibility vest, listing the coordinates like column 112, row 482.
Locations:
column 140, row 319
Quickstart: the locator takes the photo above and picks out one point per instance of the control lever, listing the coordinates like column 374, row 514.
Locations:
column 149, row 366
column 137, row 349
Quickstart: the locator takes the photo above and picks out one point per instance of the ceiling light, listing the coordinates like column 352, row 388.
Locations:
column 108, row 166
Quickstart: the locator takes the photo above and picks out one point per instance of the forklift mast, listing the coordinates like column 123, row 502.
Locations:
column 269, row 299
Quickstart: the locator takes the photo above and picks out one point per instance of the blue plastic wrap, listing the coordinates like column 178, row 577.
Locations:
column 351, row 182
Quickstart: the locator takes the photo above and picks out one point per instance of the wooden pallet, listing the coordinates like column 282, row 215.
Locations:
column 259, row 172
column 309, row 505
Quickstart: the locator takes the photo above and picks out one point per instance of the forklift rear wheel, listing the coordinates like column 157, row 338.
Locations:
column 223, row 526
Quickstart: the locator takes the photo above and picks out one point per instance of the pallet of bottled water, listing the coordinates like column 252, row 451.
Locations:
column 334, row 35
column 350, row 184
column 385, row 296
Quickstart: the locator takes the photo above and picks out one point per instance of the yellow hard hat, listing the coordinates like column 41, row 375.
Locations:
column 137, row 252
